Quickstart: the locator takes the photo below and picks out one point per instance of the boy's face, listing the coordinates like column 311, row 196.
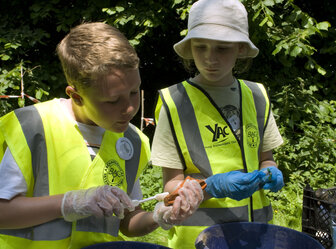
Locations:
column 112, row 101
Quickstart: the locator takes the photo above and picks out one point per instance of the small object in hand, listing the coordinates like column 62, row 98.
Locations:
column 268, row 177
column 169, row 199
column 158, row 197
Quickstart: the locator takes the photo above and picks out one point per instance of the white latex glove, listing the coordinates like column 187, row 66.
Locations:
column 161, row 215
column 189, row 199
column 98, row 201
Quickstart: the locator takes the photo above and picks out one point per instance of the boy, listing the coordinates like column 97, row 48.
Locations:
column 68, row 165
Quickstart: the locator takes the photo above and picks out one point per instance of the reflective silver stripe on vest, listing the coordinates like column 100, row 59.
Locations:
column 212, row 216
column 131, row 166
column 190, row 129
column 32, row 127
column 110, row 225
column 260, row 104
column 263, row 215
column 53, row 230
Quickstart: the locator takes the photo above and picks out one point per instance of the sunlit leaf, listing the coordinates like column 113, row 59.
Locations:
column 268, row 2
column 4, row 57
column 263, row 21
column 296, row 51
column 323, row 25
column 321, row 70
column 21, row 102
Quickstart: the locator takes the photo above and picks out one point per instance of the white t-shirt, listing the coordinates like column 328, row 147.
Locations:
column 12, row 182
column 164, row 151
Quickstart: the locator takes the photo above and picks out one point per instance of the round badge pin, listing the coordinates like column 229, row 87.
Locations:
column 124, row 148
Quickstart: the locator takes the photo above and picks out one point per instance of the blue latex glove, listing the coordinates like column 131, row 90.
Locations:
column 273, row 179
column 234, row 184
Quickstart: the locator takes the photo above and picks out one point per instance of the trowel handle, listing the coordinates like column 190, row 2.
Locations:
column 169, row 199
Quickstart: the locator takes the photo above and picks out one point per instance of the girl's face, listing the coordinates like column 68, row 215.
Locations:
column 215, row 60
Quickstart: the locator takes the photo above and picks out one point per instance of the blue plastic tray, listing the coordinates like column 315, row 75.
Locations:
column 253, row 235
column 125, row 245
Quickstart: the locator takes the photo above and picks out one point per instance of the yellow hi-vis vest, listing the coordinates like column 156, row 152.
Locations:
column 53, row 157
column 207, row 145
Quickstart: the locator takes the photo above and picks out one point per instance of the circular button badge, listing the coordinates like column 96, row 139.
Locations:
column 124, row 148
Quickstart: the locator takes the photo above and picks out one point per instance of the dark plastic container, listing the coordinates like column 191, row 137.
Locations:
column 253, row 235
column 316, row 215
column 125, row 245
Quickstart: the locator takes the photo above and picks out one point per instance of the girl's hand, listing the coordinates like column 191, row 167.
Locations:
column 190, row 196
column 189, row 199
column 274, row 179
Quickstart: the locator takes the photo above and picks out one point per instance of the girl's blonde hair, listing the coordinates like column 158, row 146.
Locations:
column 92, row 50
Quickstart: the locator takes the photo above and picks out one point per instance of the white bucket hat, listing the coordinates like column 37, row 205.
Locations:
column 222, row 20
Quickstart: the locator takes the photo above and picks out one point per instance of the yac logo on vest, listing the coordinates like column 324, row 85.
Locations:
column 252, row 135
column 218, row 131
column 113, row 175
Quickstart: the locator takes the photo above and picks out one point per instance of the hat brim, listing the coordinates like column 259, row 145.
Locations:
column 214, row 32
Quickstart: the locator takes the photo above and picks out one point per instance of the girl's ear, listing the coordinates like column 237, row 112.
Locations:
column 242, row 50
column 74, row 95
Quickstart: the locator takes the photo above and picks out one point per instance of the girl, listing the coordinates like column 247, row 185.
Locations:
column 216, row 127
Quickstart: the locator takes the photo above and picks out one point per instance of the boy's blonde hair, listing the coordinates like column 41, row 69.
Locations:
column 92, row 50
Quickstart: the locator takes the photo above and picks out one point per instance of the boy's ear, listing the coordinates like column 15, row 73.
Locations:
column 74, row 95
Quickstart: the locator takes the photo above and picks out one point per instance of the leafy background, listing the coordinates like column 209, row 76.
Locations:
column 297, row 41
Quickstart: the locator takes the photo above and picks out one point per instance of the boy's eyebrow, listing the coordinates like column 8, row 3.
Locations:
column 130, row 89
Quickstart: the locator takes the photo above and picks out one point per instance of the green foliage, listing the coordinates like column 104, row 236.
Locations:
column 151, row 184
column 158, row 236
column 287, row 206
column 309, row 128
column 309, row 152
column 138, row 21
column 10, row 84
column 289, row 32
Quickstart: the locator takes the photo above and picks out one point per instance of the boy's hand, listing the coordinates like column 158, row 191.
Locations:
column 98, row 201
column 234, row 184
column 273, row 179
